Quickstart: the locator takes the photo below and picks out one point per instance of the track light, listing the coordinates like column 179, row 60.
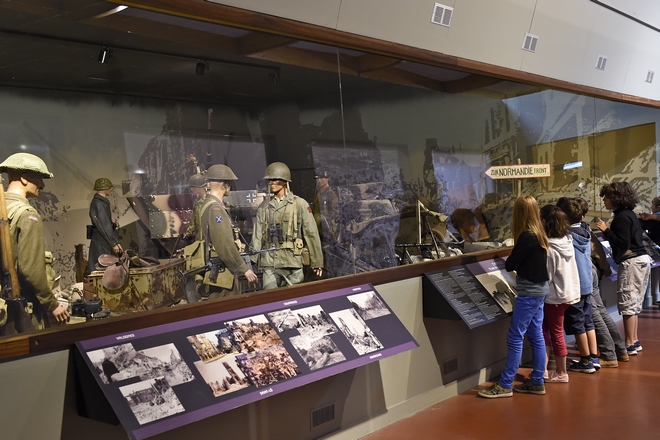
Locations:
column 201, row 67
column 105, row 55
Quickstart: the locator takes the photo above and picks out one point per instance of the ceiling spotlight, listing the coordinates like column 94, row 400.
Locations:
column 201, row 67
column 105, row 55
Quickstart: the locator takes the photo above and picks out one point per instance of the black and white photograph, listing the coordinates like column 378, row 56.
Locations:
column 253, row 333
column 214, row 345
column 356, row 331
column 368, row 305
column 223, row 376
column 314, row 322
column 151, row 400
column 501, row 286
column 267, row 366
column 164, row 360
column 317, row 353
column 114, row 364
column 284, row 320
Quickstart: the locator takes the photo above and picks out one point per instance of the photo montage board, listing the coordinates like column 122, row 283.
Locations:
column 159, row 378
column 478, row 293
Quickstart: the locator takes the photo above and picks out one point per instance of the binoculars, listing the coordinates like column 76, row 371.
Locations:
column 275, row 231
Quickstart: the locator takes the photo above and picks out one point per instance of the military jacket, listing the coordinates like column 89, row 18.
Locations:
column 326, row 209
column 221, row 234
column 99, row 245
column 193, row 227
column 27, row 242
column 274, row 211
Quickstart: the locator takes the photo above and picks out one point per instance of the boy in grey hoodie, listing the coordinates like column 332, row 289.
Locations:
column 579, row 321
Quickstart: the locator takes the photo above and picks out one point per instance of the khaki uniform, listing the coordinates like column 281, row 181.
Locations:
column 193, row 227
column 29, row 253
column 222, row 239
column 283, row 264
column 326, row 210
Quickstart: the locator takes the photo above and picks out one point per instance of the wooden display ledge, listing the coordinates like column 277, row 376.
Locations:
column 62, row 338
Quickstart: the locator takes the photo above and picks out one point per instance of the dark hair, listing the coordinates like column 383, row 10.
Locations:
column 584, row 204
column 655, row 203
column 555, row 221
column 621, row 195
column 572, row 208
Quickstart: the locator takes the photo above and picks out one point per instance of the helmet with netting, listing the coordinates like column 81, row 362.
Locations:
column 102, row 184
column 26, row 162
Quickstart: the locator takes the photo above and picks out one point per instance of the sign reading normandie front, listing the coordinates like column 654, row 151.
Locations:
column 519, row 171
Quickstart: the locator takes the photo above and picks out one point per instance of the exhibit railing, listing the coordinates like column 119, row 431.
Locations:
column 64, row 338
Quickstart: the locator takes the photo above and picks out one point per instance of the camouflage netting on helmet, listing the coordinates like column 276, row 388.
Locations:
column 26, row 162
column 102, row 184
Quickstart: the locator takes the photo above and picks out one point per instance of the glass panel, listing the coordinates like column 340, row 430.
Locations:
column 400, row 162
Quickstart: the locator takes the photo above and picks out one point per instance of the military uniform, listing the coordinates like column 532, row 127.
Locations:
column 193, row 227
column 100, row 214
column 215, row 217
column 29, row 258
column 326, row 208
column 283, row 263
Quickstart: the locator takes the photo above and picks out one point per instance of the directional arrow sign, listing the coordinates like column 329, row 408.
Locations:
column 519, row 171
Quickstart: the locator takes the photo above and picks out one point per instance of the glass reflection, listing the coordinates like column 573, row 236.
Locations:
column 392, row 156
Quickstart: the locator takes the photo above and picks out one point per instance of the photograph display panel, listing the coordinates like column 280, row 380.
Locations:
column 160, row 378
column 479, row 293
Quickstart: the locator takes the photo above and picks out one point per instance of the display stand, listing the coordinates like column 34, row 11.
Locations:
column 159, row 378
column 477, row 293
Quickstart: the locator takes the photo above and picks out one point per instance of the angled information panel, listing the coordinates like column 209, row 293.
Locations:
column 159, row 378
column 478, row 293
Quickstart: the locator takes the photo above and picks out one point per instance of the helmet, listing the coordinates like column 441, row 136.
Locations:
column 102, row 184
column 322, row 174
column 277, row 171
column 26, row 162
column 220, row 172
column 197, row 181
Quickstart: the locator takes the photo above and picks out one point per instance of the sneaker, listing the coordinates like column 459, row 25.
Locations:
column 581, row 367
column 605, row 363
column 596, row 363
column 557, row 378
column 494, row 391
column 623, row 357
column 527, row 387
column 638, row 346
column 631, row 350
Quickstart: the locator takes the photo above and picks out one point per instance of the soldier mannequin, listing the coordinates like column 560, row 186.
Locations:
column 215, row 220
column 326, row 209
column 278, row 214
column 198, row 186
column 26, row 173
column 104, row 238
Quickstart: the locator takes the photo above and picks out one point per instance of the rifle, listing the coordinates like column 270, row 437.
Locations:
column 215, row 264
column 11, row 290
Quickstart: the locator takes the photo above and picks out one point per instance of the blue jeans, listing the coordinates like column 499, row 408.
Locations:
column 527, row 319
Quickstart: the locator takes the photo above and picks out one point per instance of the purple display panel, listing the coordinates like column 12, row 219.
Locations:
column 159, row 378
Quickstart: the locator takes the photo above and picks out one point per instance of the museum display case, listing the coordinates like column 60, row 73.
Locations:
column 423, row 160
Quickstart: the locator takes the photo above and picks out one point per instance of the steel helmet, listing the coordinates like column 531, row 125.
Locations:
column 278, row 171
column 102, row 184
column 26, row 162
column 197, row 181
column 220, row 172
